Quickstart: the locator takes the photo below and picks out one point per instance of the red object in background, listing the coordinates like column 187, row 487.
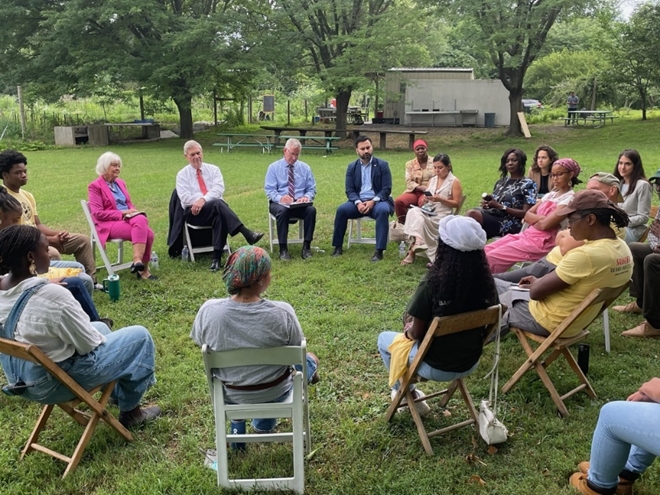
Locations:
column 333, row 103
column 379, row 115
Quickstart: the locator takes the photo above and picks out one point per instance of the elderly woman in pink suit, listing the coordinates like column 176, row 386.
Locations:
column 115, row 216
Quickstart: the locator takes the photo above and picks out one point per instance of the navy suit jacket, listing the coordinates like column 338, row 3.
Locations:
column 381, row 181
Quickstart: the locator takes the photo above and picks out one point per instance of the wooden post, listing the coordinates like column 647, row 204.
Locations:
column 21, row 109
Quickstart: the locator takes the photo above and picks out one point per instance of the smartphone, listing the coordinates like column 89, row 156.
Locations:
column 428, row 193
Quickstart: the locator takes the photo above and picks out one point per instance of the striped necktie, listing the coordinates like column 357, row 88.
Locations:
column 292, row 183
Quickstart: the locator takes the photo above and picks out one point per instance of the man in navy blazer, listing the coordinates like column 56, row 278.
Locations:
column 368, row 188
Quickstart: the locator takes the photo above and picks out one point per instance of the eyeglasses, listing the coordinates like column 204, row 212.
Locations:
column 558, row 175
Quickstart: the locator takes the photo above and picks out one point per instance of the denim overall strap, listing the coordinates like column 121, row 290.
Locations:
column 7, row 330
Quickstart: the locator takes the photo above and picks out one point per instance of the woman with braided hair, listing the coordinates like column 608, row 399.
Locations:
column 52, row 320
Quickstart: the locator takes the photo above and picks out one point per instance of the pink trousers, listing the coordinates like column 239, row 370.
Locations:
column 529, row 245
column 402, row 203
column 137, row 231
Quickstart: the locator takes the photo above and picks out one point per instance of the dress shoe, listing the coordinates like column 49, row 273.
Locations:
column 306, row 253
column 642, row 331
column 378, row 255
column 254, row 237
column 137, row 267
column 215, row 265
column 108, row 322
column 138, row 416
column 337, row 252
column 284, row 255
column 629, row 308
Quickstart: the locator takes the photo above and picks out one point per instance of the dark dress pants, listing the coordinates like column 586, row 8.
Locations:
column 380, row 212
column 282, row 216
column 645, row 285
column 220, row 217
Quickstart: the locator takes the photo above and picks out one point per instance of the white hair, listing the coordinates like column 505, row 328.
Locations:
column 292, row 143
column 105, row 160
column 190, row 144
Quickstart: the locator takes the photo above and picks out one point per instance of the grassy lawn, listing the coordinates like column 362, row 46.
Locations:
column 342, row 305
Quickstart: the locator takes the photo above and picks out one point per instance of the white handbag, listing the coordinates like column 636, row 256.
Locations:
column 491, row 429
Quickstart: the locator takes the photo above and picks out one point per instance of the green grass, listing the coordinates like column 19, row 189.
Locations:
column 342, row 305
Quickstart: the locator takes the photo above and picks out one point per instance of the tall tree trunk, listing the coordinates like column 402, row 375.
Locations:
column 184, row 104
column 343, row 97
column 642, row 95
column 515, row 105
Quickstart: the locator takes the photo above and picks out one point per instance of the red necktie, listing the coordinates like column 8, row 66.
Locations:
column 202, row 184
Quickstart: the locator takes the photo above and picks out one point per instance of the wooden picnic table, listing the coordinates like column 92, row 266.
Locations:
column 242, row 140
column 383, row 135
column 595, row 117
column 322, row 142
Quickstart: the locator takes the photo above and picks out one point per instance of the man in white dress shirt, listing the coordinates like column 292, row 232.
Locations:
column 200, row 188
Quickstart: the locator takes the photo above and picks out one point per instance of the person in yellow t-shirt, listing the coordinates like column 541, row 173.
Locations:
column 603, row 261
column 13, row 167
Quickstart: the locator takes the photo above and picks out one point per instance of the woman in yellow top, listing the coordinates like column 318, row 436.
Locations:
column 418, row 174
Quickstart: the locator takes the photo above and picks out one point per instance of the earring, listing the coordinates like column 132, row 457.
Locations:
column 260, row 283
column 33, row 269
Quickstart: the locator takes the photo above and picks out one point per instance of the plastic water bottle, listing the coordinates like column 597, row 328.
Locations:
column 402, row 250
column 185, row 254
column 237, row 428
column 154, row 260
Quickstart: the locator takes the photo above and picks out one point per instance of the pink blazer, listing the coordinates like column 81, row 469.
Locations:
column 103, row 206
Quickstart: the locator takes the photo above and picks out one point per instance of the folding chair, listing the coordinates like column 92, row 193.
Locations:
column 200, row 249
column 457, row 210
column 272, row 227
column 295, row 407
column 31, row 353
column 600, row 298
column 439, row 327
column 654, row 213
column 96, row 242
column 358, row 239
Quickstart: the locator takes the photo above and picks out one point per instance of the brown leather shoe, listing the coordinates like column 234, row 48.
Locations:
column 579, row 482
column 625, row 487
column 629, row 308
column 138, row 416
column 643, row 331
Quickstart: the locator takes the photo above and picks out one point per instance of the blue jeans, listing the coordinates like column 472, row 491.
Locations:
column 127, row 356
column 87, row 280
column 267, row 424
column 425, row 371
column 76, row 286
column 627, row 435
column 380, row 212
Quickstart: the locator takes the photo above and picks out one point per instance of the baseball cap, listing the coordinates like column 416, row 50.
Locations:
column 420, row 142
column 588, row 199
column 610, row 180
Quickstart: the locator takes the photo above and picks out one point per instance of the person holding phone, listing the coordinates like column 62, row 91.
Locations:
column 116, row 217
column 442, row 195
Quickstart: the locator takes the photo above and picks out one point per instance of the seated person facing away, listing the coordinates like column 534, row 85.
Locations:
column 246, row 320
column 458, row 282
column 368, row 188
column 200, row 188
column 288, row 180
column 626, row 441
column 646, row 279
column 115, row 216
column 603, row 261
column 636, row 191
column 601, row 181
column 418, row 174
column 513, row 194
column 13, row 166
column 52, row 320
column 544, row 219
column 443, row 193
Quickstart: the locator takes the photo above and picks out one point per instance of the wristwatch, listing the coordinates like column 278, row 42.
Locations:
column 503, row 207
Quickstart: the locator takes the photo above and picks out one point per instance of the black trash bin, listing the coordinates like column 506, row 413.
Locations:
column 489, row 120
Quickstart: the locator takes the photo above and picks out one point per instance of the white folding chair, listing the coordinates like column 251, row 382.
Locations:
column 295, row 407
column 272, row 228
column 358, row 239
column 200, row 249
column 96, row 242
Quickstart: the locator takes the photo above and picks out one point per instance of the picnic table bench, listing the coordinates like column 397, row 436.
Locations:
column 318, row 142
column 241, row 140
column 383, row 135
column 597, row 118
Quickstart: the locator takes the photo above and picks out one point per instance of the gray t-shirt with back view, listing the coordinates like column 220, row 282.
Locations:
column 225, row 324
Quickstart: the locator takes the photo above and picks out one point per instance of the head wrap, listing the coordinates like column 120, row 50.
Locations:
column 420, row 142
column 245, row 267
column 569, row 164
column 462, row 233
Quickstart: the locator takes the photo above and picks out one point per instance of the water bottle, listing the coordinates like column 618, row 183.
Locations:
column 154, row 260
column 237, row 428
column 402, row 250
column 185, row 254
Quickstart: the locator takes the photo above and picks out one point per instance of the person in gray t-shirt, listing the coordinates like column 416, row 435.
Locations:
column 245, row 320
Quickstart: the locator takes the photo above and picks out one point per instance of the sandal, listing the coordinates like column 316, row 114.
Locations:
column 408, row 260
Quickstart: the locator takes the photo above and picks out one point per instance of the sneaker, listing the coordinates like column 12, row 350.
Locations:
column 623, row 488
column 422, row 407
column 98, row 286
column 642, row 331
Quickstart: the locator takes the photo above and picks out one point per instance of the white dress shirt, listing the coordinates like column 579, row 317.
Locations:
column 187, row 185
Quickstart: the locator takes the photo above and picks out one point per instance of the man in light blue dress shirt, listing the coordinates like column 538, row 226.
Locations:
column 291, row 182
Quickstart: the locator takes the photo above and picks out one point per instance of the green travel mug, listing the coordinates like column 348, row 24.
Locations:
column 111, row 286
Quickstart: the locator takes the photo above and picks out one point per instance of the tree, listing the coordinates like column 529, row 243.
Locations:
column 346, row 40
column 172, row 48
column 635, row 51
column 513, row 34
